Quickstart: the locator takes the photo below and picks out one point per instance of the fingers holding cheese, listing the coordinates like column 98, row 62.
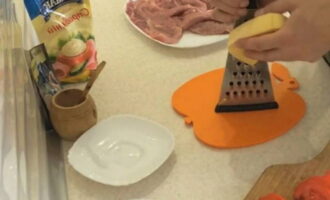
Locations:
column 304, row 37
column 268, row 55
column 263, row 42
column 264, row 24
column 268, row 47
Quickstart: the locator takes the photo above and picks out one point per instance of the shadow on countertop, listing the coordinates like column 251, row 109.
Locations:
column 88, row 189
column 141, row 189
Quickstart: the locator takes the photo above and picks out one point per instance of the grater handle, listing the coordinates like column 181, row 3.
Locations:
column 327, row 58
column 252, row 5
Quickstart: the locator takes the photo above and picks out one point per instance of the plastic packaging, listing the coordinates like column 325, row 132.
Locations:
column 65, row 28
column 31, row 161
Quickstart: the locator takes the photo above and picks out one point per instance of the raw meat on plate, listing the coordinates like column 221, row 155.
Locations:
column 166, row 20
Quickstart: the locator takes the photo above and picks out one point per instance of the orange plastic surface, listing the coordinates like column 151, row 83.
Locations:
column 315, row 188
column 272, row 197
column 196, row 101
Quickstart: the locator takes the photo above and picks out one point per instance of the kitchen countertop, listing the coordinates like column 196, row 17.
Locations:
column 140, row 78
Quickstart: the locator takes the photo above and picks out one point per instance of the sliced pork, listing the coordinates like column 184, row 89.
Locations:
column 211, row 28
column 166, row 20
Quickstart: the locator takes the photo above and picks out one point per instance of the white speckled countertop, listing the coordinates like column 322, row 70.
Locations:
column 140, row 79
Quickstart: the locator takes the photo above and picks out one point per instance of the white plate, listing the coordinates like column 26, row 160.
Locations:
column 188, row 40
column 121, row 150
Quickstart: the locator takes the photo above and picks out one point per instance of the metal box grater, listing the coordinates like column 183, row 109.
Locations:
column 245, row 87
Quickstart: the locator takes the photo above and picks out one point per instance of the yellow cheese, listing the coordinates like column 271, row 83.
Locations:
column 260, row 25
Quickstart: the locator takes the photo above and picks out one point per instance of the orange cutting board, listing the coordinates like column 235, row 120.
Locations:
column 196, row 101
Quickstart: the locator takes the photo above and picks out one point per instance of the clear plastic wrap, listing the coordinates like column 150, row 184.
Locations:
column 8, row 140
column 31, row 162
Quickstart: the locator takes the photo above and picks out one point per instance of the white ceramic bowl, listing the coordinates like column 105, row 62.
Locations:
column 121, row 150
column 188, row 40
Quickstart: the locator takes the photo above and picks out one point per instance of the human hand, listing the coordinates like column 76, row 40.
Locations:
column 305, row 36
column 229, row 11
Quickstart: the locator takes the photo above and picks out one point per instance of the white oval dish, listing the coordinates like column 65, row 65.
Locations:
column 121, row 150
column 188, row 40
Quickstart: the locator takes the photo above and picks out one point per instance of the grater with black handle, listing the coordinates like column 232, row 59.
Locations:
column 245, row 87
column 327, row 58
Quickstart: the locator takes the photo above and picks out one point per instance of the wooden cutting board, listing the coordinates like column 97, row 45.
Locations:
column 283, row 179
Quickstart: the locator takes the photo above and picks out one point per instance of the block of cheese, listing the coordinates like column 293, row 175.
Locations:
column 257, row 26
